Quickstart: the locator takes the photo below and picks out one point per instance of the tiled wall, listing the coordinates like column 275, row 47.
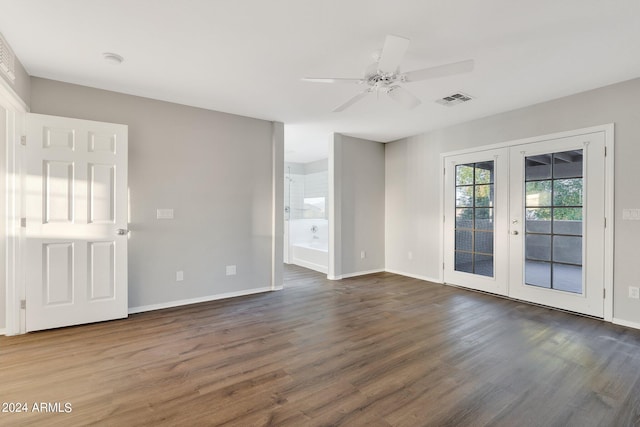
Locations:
column 304, row 180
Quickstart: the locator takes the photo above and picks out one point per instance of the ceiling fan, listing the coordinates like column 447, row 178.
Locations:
column 384, row 75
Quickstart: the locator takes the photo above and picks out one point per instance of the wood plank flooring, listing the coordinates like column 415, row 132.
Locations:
column 378, row 350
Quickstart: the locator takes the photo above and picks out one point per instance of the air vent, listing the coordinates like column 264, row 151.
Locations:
column 7, row 60
column 455, row 99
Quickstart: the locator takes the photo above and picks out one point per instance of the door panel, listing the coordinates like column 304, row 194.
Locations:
column 76, row 178
column 475, row 212
column 557, row 256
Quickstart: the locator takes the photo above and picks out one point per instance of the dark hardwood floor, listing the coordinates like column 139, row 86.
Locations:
column 379, row 350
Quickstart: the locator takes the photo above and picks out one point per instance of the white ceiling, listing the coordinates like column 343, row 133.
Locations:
column 247, row 57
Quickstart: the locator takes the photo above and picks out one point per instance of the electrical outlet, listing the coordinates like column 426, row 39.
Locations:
column 363, row 254
column 410, row 255
column 634, row 292
column 179, row 276
column 231, row 270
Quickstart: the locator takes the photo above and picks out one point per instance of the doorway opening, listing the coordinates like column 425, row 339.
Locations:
column 306, row 199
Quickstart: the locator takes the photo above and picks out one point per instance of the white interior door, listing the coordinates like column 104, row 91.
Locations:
column 76, row 221
column 557, row 223
column 475, row 220
column 528, row 221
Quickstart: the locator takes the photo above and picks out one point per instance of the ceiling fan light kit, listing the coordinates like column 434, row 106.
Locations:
column 384, row 75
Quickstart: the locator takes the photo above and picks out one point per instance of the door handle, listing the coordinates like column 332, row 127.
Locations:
column 515, row 232
column 121, row 231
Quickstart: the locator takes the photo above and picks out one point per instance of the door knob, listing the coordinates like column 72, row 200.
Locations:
column 515, row 232
column 122, row 231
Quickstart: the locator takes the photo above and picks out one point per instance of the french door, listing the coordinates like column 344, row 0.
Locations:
column 527, row 221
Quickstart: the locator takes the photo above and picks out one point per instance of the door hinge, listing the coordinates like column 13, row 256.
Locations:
column 443, row 265
column 23, row 140
column 604, row 294
column 605, row 151
column 605, row 222
column 23, row 304
column 23, row 222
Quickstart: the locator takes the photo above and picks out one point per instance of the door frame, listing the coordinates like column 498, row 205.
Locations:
column 12, row 193
column 609, row 142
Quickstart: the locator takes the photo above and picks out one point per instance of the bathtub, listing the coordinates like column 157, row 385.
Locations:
column 309, row 243
column 312, row 255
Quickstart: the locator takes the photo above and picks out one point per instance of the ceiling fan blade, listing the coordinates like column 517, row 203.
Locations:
column 332, row 80
column 439, row 71
column 403, row 96
column 351, row 101
column 392, row 53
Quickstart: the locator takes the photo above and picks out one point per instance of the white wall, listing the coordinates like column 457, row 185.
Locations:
column 357, row 178
column 214, row 169
column 413, row 182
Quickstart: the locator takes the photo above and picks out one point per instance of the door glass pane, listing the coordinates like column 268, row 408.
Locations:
column 567, row 249
column 484, row 195
column 538, row 220
column 483, row 242
column 567, row 192
column 484, row 173
column 474, row 218
column 537, row 273
column 538, row 167
column 464, row 175
column 484, row 219
column 538, row 247
column 554, row 219
column 567, row 164
column 464, row 218
column 567, row 221
column 538, row 193
column 463, row 240
column 464, row 262
column 464, row 196
column 567, row 278
column 483, row 264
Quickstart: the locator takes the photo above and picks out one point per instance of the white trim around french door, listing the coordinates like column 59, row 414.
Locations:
column 527, row 220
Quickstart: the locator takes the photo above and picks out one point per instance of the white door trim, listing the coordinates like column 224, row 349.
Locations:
column 608, row 130
column 16, row 110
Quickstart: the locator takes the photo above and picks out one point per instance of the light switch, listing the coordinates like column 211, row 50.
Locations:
column 231, row 270
column 164, row 214
column 631, row 214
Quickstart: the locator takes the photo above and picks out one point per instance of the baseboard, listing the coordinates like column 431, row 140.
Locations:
column 361, row 273
column 414, row 276
column 330, row 277
column 626, row 323
column 178, row 303
column 3, row 332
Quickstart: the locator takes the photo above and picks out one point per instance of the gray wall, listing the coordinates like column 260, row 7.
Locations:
column 359, row 193
column 214, row 169
column 413, row 166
